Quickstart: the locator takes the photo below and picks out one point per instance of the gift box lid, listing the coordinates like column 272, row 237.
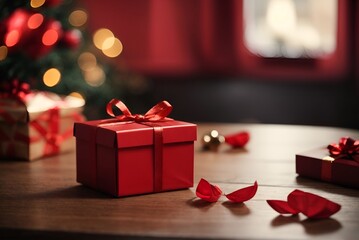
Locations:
column 130, row 134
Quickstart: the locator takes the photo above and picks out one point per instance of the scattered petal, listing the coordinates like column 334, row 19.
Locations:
column 311, row 205
column 237, row 140
column 207, row 191
column 282, row 207
column 243, row 194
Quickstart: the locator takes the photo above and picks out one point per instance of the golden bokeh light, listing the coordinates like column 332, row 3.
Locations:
column 87, row 61
column 108, row 43
column 100, row 37
column 37, row 3
column 114, row 50
column 78, row 18
column 3, row 52
column 35, row 21
column 77, row 95
column 52, row 77
column 95, row 77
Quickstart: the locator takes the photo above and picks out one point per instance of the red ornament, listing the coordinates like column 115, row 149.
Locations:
column 31, row 33
column 71, row 39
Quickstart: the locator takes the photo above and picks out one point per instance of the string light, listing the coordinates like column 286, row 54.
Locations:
column 77, row 95
column 78, row 18
column 51, row 77
column 12, row 38
column 37, row 3
column 50, row 37
column 94, row 77
column 3, row 52
column 87, row 61
column 101, row 36
column 114, row 50
column 35, row 21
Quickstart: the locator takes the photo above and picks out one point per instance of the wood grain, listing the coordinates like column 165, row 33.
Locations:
column 41, row 199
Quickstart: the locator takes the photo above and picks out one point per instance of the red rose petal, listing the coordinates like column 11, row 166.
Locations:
column 207, row 191
column 237, row 140
column 311, row 205
column 282, row 207
column 243, row 194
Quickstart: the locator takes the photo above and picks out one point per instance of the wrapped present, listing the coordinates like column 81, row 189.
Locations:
column 135, row 154
column 337, row 163
column 38, row 124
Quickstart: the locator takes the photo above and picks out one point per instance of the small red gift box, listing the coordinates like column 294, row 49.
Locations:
column 129, row 158
column 37, row 125
column 318, row 164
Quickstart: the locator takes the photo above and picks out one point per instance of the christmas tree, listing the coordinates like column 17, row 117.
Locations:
column 44, row 43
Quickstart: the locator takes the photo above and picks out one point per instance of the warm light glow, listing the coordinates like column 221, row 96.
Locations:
column 214, row 133
column 3, row 52
column 78, row 18
column 281, row 16
column 100, row 37
column 94, row 77
column 12, row 38
column 206, row 138
column 52, row 77
column 76, row 94
column 36, row 3
column 291, row 28
column 35, row 21
column 87, row 61
column 108, row 43
column 114, row 50
column 50, row 37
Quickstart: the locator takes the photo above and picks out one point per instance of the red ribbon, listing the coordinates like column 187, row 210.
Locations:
column 157, row 113
column 347, row 148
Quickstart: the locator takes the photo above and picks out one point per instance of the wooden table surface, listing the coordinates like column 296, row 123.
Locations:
column 42, row 200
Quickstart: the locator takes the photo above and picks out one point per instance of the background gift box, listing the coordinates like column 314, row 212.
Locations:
column 317, row 164
column 38, row 125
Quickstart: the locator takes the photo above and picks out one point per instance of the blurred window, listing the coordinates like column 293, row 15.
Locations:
column 291, row 28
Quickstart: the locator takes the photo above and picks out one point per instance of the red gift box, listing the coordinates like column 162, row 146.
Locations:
column 318, row 164
column 125, row 158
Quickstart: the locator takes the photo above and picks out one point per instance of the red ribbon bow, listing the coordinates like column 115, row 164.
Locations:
column 16, row 89
column 157, row 113
column 347, row 148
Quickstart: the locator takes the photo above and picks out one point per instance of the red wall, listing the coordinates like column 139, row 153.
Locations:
column 181, row 37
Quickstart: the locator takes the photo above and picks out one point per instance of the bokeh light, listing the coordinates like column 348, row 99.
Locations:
column 95, row 77
column 12, row 38
column 100, row 37
column 114, row 50
column 37, row 3
column 35, row 21
column 87, row 61
column 77, row 95
column 3, row 52
column 52, row 77
column 78, row 18
column 50, row 37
